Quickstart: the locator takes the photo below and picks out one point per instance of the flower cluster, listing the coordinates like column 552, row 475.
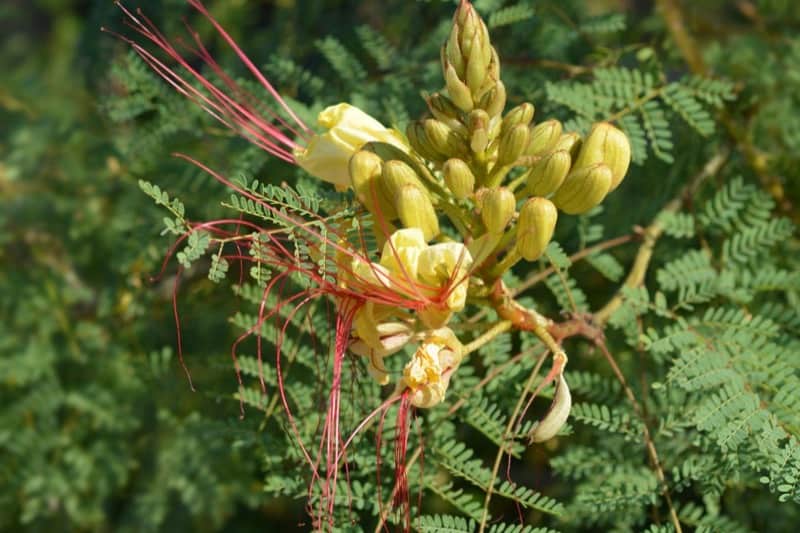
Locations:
column 498, row 179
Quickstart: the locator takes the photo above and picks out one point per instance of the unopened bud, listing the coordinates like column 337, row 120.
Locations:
column 537, row 221
column 416, row 210
column 479, row 130
column 609, row 145
column 544, row 137
column 457, row 89
column 522, row 114
column 494, row 101
column 396, row 175
column 444, row 139
column 547, row 174
column 583, row 189
column 458, row 178
column 570, row 142
column 497, row 209
column 442, row 108
column 419, row 142
column 513, row 144
column 477, row 65
column 365, row 173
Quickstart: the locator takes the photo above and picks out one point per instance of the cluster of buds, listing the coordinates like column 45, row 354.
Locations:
column 499, row 177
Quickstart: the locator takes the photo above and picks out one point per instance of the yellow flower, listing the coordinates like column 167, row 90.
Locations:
column 428, row 372
column 327, row 156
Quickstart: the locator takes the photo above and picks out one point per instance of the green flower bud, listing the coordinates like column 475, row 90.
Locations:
column 442, row 108
column 444, row 139
column 547, row 174
column 571, row 142
column 537, row 221
column 395, row 176
column 544, row 137
column 494, row 101
column 419, row 142
column 513, row 144
column 583, row 189
column 479, row 130
column 522, row 114
column 458, row 178
column 457, row 89
column 497, row 208
column 609, row 145
column 366, row 169
column 416, row 210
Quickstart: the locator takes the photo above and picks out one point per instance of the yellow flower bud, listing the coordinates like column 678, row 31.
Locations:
column 444, row 139
column 396, row 175
column 494, row 101
column 365, row 173
column 458, row 91
column 544, row 137
column 609, row 145
column 348, row 129
column 497, row 208
column 442, row 108
column 479, row 122
column 513, row 144
column 458, row 178
column 522, row 114
column 537, row 221
column 547, row 174
column 416, row 210
column 570, row 142
column 415, row 132
column 583, row 189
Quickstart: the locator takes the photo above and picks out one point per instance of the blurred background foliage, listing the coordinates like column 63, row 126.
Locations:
column 99, row 427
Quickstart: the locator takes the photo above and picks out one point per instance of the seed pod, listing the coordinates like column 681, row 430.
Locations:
column 513, row 144
column 537, row 221
column 571, row 142
column 583, row 189
column 497, row 208
column 416, row 210
column 458, row 178
column 544, row 136
column 609, row 145
column 547, row 174
column 458, row 91
column 444, row 139
column 522, row 114
column 556, row 416
column 365, row 177
column 397, row 174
